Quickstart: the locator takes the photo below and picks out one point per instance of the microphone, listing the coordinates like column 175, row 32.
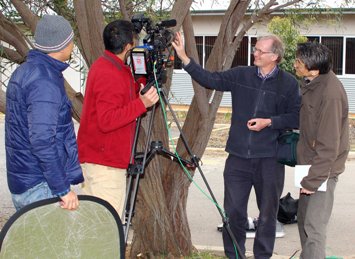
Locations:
column 167, row 23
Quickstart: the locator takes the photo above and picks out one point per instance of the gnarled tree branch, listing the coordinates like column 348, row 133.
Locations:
column 26, row 14
column 11, row 55
column 10, row 34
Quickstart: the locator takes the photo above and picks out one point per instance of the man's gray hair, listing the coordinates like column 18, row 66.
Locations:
column 277, row 45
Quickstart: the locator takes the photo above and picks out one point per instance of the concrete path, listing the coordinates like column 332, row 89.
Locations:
column 204, row 217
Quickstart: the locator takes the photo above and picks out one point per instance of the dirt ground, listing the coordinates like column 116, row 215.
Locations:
column 221, row 128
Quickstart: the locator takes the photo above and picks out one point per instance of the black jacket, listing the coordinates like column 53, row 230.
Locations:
column 277, row 97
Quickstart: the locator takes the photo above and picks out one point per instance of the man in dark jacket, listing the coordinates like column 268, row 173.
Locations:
column 323, row 143
column 41, row 150
column 265, row 101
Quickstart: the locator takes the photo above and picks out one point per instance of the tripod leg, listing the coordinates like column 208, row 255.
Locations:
column 131, row 159
column 196, row 163
column 133, row 196
column 127, row 198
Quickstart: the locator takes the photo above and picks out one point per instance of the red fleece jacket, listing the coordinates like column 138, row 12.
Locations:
column 111, row 106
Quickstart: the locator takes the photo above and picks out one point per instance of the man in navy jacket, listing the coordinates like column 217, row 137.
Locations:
column 41, row 150
column 265, row 101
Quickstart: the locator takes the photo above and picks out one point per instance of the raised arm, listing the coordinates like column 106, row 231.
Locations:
column 221, row 81
column 180, row 49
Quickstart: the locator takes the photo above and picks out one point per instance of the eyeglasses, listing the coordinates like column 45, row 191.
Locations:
column 254, row 49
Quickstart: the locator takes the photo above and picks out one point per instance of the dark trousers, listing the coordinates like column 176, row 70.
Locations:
column 267, row 176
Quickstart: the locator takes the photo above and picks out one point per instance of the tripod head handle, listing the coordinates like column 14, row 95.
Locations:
column 147, row 87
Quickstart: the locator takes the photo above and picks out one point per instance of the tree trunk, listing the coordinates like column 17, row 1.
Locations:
column 161, row 219
column 198, row 127
column 90, row 22
column 153, row 231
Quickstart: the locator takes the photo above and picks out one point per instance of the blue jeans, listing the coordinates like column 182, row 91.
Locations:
column 39, row 192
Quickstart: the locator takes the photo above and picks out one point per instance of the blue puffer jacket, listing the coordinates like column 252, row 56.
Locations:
column 39, row 132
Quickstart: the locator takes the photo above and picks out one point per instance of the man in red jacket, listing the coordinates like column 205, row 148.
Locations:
column 111, row 105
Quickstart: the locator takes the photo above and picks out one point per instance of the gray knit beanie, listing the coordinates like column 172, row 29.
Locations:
column 53, row 33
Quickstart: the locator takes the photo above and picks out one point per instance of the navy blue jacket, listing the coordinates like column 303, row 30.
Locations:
column 277, row 97
column 39, row 132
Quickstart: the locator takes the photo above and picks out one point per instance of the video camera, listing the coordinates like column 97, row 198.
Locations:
column 150, row 59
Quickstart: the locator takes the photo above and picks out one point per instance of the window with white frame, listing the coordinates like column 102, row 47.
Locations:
column 343, row 49
column 204, row 45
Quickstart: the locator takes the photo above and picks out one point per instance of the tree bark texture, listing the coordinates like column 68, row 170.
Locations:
column 168, row 222
column 90, row 22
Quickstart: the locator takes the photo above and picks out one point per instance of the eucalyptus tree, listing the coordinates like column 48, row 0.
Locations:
column 286, row 28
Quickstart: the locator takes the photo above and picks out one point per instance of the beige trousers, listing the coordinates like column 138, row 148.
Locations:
column 107, row 183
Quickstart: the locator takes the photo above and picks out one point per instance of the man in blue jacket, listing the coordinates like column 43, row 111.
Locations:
column 265, row 101
column 41, row 150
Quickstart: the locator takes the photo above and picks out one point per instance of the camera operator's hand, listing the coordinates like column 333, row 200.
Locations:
column 180, row 48
column 69, row 201
column 150, row 98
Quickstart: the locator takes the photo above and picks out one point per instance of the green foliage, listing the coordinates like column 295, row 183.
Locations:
column 287, row 30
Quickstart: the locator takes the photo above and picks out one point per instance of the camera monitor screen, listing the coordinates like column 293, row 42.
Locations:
column 138, row 57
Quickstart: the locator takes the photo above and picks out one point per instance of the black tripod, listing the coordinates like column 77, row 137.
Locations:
column 136, row 170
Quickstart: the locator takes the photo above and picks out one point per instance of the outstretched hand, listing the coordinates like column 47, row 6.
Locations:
column 180, row 48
